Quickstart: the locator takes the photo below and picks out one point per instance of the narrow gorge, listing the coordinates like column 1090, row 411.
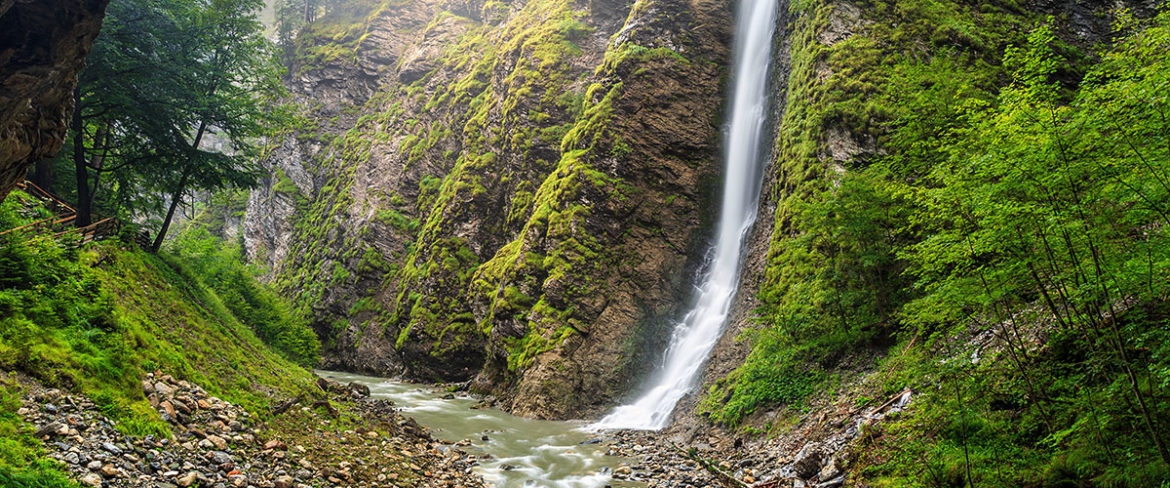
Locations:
column 514, row 195
column 693, row 338
column 587, row 243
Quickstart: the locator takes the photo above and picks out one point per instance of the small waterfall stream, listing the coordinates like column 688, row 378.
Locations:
column 695, row 336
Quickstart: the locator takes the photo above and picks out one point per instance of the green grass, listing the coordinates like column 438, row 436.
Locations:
column 93, row 320
column 220, row 266
column 22, row 464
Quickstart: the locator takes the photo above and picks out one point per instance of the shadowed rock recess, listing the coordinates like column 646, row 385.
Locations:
column 514, row 193
column 42, row 48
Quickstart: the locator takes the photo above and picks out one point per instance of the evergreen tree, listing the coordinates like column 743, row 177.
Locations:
column 163, row 77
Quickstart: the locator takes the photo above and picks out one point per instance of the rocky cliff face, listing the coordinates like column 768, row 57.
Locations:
column 42, row 48
column 510, row 192
column 838, row 101
column 520, row 193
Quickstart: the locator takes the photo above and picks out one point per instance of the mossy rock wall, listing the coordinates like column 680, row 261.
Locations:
column 515, row 192
column 850, row 74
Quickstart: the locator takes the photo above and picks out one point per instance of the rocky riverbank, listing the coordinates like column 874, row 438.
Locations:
column 342, row 441
column 818, row 451
column 344, row 438
column 717, row 460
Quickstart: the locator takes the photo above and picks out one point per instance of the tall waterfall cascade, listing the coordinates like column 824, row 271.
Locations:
column 695, row 336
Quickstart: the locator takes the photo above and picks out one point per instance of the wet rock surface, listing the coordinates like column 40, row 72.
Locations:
column 353, row 442
column 818, row 452
column 461, row 92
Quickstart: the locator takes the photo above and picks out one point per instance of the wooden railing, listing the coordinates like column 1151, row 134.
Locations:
column 66, row 215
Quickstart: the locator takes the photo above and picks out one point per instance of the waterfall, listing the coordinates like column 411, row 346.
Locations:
column 695, row 336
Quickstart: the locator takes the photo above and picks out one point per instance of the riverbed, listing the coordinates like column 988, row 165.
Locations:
column 512, row 451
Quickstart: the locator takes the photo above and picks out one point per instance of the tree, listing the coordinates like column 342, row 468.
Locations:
column 165, row 76
column 125, row 97
column 1058, row 201
column 231, row 78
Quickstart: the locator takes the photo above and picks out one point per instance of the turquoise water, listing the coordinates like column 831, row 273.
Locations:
column 524, row 452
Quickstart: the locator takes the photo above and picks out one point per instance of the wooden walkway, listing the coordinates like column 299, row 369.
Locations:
column 61, row 223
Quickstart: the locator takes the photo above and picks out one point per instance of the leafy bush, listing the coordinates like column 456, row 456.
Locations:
column 220, row 266
column 1023, row 199
column 773, row 374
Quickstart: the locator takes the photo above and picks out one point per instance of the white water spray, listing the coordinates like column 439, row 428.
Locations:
column 700, row 329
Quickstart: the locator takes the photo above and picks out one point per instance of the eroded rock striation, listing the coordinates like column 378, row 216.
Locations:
column 43, row 45
column 514, row 193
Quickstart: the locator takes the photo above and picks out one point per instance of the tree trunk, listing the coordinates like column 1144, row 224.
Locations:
column 43, row 174
column 175, row 199
column 98, row 161
column 178, row 195
column 80, row 165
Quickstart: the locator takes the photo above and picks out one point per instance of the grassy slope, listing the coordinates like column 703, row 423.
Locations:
column 95, row 320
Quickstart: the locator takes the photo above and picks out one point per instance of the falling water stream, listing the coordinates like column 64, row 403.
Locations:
column 537, row 453
column 695, row 336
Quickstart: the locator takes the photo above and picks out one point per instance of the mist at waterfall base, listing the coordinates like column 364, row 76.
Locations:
column 695, row 336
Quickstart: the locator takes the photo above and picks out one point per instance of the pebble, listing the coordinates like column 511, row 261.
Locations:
column 219, row 442
column 284, row 482
column 92, row 479
column 201, row 454
column 220, row 458
column 187, row 479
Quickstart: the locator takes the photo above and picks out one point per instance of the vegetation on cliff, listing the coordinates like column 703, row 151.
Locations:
column 1006, row 234
column 516, row 189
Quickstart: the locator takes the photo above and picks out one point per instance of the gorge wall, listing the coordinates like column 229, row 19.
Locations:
column 520, row 193
column 42, row 48
column 511, row 192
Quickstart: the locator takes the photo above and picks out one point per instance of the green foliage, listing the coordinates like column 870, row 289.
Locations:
column 773, row 373
column 840, row 276
column 1004, row 200
column 284, row 184
column 163, row 79
column 395, row 219
column 220, row 266
column 95, row 319
column 298, row 21
column 1057, row 200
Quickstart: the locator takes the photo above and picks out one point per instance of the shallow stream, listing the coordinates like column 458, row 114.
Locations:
column 524, row 452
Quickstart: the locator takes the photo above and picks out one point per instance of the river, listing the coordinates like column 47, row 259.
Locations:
column 524, row 452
